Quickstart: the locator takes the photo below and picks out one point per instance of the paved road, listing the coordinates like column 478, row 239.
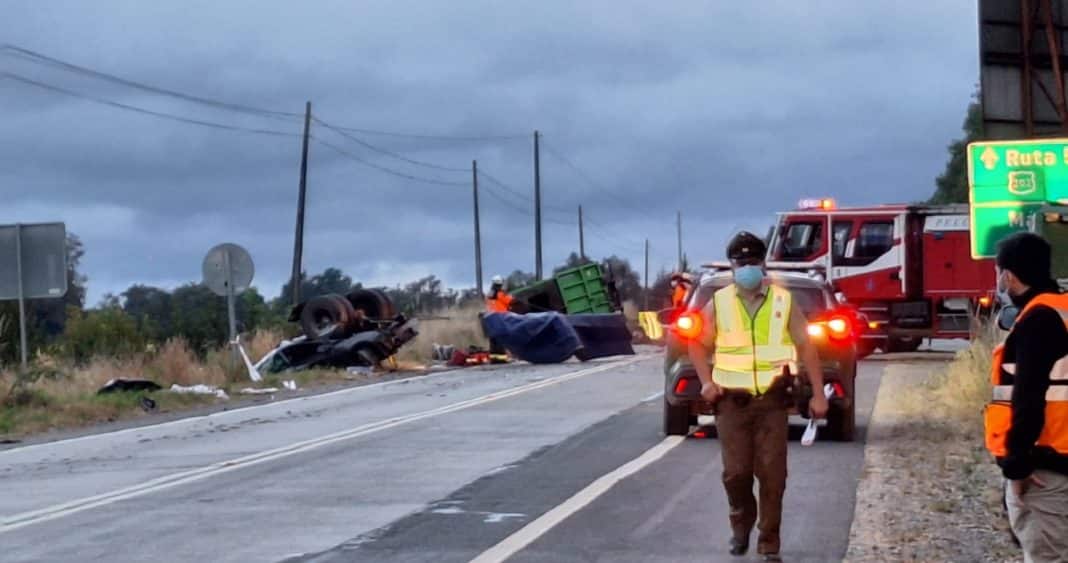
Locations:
column 440, row 468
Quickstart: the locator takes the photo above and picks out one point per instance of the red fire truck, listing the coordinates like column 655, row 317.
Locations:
column 907, row 268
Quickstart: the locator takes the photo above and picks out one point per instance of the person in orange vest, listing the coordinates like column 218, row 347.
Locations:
column 1027, row 418
column 680, row 287
column 498, row 300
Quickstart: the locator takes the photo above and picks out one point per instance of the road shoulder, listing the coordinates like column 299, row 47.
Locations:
column 928, row 491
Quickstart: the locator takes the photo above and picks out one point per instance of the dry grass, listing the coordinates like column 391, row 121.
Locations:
column 930, row 490
column 57, row 394
column 952, row 399
column 455, row 327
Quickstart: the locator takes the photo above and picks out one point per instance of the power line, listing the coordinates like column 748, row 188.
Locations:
column 431, row 136
column 390, row 171
column 39, row 58
column 519, row 194
column 386, row 152
column 159, row 114
column 35, row 57
column 589, row 180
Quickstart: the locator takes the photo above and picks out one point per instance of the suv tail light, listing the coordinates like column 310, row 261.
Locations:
column 836, row 328
column 688, row 325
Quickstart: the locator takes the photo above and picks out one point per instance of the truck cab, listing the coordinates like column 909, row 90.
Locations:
column 908, row 268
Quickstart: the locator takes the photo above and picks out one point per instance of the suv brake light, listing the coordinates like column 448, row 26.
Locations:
column 688, row 325
column 836, row 328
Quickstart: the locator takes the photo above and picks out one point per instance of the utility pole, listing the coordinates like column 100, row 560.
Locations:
column 646, row 292
column 537, row 208
column 582, row 237
column 298, row 244
column 679, row 223
column 478, row 230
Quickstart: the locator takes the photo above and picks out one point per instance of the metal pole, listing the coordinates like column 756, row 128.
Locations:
column 1055, row 57
column 1025, row 80
column 23, row 340
column 679, row 224
column 478, row 230
column 298, row 244
column 582, row 237
column 646, row 292
column 230, row 309
column 537, row 208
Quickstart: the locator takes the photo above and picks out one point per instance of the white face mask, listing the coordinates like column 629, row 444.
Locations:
column 1002, row 288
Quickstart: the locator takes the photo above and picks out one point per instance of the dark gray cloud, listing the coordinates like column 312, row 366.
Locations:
column 729, row 112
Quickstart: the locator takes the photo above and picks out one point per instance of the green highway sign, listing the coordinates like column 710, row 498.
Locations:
column 1009, row 182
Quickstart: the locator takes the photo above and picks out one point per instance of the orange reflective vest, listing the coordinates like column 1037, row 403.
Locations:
column 499, row 304
column 678, row 297
column 998, row 415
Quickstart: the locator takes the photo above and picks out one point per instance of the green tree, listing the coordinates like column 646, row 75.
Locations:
column 518, row 279
column 573, row 261
column 628, row 281
column 150, row 307
column 45, row 318
column 107, row 331
column 952, row 184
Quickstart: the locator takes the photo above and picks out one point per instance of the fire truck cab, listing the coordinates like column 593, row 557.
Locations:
column 907, row 268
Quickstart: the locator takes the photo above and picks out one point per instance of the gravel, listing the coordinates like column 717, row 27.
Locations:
column 929, row 490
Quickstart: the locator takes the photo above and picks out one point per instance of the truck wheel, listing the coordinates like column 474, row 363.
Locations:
column 842, row 423
column 325, row 316
column 676, row 419
column 865, row 348
column 907, row 344
column 374, row 303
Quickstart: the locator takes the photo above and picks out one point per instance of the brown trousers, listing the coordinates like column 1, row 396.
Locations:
column 753, row 439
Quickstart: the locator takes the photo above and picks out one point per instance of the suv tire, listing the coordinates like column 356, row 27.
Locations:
column 676, row 419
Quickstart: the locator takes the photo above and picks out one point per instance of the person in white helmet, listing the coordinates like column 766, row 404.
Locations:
column 498, row 299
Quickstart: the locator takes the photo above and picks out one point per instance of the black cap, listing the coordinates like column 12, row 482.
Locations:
column 746, row 246
column 1028, row 256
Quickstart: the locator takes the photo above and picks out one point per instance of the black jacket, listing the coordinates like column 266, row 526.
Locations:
column 1037, row 341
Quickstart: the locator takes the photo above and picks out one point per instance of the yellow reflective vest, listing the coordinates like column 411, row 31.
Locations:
column 752, row 350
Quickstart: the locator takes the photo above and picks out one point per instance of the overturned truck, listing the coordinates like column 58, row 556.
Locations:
column 362, row 328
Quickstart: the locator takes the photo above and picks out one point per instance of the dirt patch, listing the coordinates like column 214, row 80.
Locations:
column 929, row 490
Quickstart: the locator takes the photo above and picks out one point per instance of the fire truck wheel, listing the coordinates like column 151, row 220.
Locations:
column 903, row 344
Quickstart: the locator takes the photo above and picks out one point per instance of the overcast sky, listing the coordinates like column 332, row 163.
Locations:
column 724, row 110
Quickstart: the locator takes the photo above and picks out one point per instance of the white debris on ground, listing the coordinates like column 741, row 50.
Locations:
column 929, row 491
column 253, row 391
column 200, row 389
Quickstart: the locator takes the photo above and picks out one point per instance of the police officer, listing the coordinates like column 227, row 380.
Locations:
column 755, row 330
column 1027, row 420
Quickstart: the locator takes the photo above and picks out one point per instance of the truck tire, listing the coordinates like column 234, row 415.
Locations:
column 676, row 419
column 842, row 422
column 907, row 344
column 374, row 303
column 326, row 316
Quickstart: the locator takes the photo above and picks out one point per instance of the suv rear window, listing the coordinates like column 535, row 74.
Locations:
column 811, row 300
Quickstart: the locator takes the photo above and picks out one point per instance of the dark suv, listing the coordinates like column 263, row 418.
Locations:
column 832, row 328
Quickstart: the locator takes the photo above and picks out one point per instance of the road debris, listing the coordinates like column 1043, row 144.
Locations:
column 200, row 389
column 119, row 385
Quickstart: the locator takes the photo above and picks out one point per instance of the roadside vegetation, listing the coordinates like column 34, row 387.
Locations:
column 930, row 491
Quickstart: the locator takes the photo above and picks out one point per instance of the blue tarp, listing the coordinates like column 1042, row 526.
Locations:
column 538, row 338
column 549, row 338
column 602, row 335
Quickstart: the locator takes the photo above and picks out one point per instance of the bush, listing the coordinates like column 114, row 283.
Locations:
column 101, row 332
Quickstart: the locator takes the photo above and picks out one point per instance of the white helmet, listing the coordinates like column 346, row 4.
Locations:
column 498, row 280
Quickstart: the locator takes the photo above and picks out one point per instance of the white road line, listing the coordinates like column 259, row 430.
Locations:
column 528, row 534
column 16, row 521
column 187, row 420
column 653, row 397
column 192, row 419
